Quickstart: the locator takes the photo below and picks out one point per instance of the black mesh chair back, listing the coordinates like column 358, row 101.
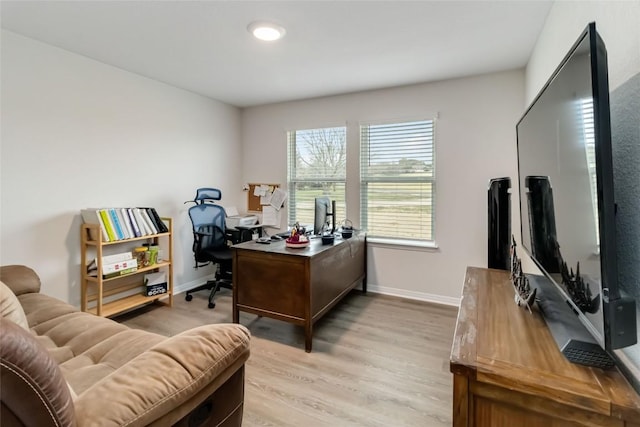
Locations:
column 209, row 231
column 208, row 221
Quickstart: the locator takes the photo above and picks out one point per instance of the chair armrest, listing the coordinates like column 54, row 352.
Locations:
column 166, row 376
column 20, row 279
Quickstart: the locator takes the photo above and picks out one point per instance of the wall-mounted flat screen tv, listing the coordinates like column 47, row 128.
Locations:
column 567, row 208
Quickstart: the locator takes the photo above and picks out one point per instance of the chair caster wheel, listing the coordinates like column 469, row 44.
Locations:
column 212, row 305
column 188, row 297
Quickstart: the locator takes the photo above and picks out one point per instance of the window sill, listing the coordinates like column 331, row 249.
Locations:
column 402, row 244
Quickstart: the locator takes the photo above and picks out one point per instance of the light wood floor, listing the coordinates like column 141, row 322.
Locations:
column 376, row 361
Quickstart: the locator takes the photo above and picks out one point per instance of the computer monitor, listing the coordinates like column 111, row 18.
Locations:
column 324, row 208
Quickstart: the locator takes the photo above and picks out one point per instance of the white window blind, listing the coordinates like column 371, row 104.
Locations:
column 317, row 166
column 585, row 111
column 397, row 173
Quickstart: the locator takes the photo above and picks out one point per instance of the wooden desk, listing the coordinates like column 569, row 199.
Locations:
column 508, row 370
column 296, row 285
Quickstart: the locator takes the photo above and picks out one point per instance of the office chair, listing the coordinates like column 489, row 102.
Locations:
column 210, row 241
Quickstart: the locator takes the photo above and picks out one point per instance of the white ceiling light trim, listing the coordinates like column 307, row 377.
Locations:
column 266, row 31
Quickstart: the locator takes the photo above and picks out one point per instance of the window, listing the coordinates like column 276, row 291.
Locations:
column 317, row 163
column 586, row 120
column 397, row 173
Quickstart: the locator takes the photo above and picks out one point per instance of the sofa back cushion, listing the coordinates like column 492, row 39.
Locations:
column 10, row 307
column 33, row 391
column 20, row 278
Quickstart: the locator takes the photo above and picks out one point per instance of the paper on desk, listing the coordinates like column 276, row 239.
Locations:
column 270, row 216
column 231, row 211
column 277, row 198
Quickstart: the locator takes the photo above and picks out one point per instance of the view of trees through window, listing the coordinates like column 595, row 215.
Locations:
column 398, row 180
column 397, row 177
column 317, row 167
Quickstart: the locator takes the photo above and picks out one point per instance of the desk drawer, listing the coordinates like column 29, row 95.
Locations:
column 271, row 284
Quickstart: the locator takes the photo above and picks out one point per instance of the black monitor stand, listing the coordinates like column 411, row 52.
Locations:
column 333, row 216
column 573, row 339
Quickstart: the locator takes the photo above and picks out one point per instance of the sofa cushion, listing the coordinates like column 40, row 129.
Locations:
column 10, row 308
column 29, row 374
column 87, row 347
column 162, row 379
column 20, row 278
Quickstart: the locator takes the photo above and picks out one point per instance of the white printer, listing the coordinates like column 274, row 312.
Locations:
column 234, row 221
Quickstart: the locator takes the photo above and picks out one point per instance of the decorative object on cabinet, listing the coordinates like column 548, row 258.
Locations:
column 524, row 294
column 107, row 286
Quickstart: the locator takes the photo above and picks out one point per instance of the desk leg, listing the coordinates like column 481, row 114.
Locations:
column 236, row 314
column 308, row 336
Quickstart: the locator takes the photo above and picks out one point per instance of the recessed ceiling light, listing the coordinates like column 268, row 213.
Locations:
column 266, row 31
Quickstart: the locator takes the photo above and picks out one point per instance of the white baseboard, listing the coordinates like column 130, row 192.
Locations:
column 183, row 287
column 402, row 293
column 419, row 296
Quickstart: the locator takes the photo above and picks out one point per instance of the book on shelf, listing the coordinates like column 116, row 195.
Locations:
column 116, row 223
column 113, row 267
column 147, row 220
column 106, row 220
column 123, row 223
column 157, row 221
column 120, row 273
column 119, row 257
column 144, row 230
column 134, row 223
column 92, row 216
column 126, row 228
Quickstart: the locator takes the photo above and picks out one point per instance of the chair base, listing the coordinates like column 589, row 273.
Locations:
column 213, row 286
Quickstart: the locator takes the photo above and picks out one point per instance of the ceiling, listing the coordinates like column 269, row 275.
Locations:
column 331, row 47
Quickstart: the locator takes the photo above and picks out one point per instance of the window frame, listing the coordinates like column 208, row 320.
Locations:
column 394, row 241
column 292, row 181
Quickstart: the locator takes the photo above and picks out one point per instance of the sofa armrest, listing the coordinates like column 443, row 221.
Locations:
column 33, row 391
column 20, row 279
column 166, row 376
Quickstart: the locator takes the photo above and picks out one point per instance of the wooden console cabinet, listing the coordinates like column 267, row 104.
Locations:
column 296, row 285
column 508, row 371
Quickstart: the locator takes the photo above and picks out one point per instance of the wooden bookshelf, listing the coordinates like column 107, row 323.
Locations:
column 111, row 296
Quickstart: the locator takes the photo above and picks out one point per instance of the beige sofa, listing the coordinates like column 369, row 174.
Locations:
column 63, row 367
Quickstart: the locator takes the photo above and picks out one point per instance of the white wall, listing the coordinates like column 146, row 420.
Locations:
column 77, row 133
column 617, row 22
column 475, row 141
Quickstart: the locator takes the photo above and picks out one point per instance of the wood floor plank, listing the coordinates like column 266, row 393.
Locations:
column 376, row 361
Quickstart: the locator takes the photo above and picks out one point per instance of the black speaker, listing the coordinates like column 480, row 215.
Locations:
column 542, row 223
column 499, row 232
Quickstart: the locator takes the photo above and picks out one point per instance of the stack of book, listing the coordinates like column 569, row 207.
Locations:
column 124, row 223
column 114, row 265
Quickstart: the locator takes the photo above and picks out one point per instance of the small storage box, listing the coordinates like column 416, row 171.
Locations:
column 155, row 283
